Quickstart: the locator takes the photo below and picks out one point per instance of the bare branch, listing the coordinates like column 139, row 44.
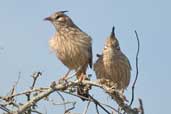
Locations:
column 35, row 77
column 97, row 110
column 68, row 110
column 35, row 111
column 15, row 85
column 37, row 98
column 141, row 106
column 90, row 99
column 65, row 86
column 23, row 93
column 4, row 108
column 137, row 70
column 86, row 108
column 63, row 99
column 96, row 102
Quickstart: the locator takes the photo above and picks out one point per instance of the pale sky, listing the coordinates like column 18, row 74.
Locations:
column 24, row 37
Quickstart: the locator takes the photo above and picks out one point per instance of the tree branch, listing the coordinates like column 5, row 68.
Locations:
column 118, row 96
column 141, row 106
column 137, row 70
column 37, row 98
column 86, row 108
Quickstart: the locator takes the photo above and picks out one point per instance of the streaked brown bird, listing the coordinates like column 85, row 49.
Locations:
column 113, row 67
column 72, row 46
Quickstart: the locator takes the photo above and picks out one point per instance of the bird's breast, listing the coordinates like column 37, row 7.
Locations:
column 73, row 52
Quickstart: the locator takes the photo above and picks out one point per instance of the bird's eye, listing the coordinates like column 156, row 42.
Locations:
column 57, row 17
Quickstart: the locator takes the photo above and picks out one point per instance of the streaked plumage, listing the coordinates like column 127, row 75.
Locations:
column 113, row 67
column 71, row 45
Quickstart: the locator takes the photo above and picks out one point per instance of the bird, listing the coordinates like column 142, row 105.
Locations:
column 112, row 67
column 72, row 46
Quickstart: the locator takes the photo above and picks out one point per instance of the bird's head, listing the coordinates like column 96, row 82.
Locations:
column 59, row 19
column 112, row 41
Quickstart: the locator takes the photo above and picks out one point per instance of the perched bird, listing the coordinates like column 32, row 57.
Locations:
column 113, row 67
column 71, row 45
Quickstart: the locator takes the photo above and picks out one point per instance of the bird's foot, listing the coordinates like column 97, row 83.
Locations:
column 81, row 77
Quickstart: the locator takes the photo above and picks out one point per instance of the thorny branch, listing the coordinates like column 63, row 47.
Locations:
column 86, row 108
column 141, row 106
column 137, row 70
column 35, row 77
column 64, row 86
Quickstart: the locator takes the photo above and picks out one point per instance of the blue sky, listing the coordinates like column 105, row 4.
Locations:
column 24, row 37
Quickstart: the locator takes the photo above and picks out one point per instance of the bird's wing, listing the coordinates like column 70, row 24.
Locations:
column 120, row 69
column 126, row 60
column 85, row 40
column 99, row 68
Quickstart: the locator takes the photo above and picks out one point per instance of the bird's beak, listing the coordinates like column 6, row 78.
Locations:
column 48, row 19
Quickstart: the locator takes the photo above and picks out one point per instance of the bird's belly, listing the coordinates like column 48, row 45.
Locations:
column 114, row 70
column 72, row 56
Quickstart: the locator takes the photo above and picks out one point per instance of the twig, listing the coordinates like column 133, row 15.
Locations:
column 96, row 102
column 63, row 100
column 137, row 70
column 86, row 108
column 4, row 108
column 89, row 99
column 15, row 85
column 141, row 106
column 23, row 93
column 10, row 100
column 32, row 101
column 35, row 77
column 120, row 96
column 53, row 102
column 35, row 111
column 67, row 102
column 125, row 107
column 64, row 86
column 37, row 98
column 92, row 101
column 114, row 110
column 68, row 110
column 97, row 110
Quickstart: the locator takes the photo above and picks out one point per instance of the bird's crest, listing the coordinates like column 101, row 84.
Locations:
column 62, row 11
column 112, row 35
column 112, row 41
